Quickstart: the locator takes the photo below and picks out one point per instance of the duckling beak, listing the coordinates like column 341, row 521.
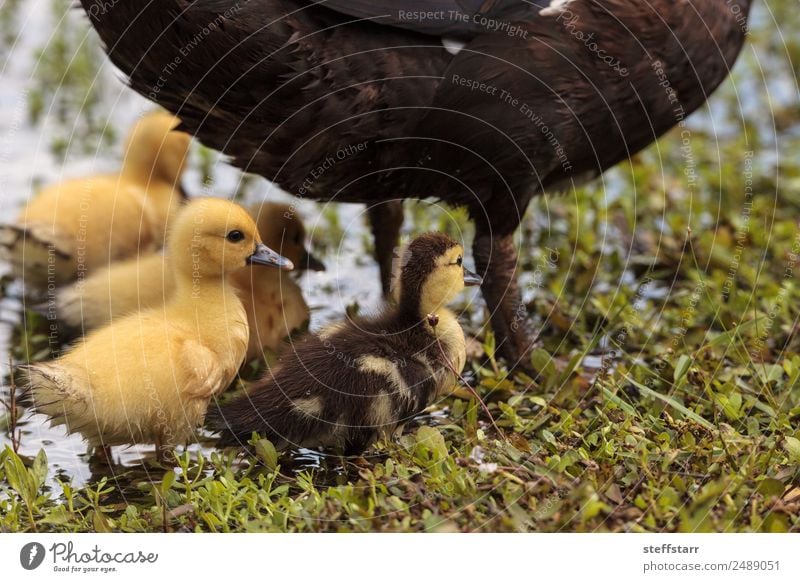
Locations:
column 311, row 263
column 471, row 279
column 266, row 256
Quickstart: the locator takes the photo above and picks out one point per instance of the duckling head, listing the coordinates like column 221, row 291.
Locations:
column 212, row 237
column 432, row 274
column 154, row 150
column 282, row 229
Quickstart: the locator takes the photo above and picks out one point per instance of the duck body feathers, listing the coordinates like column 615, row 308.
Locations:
column 307, row 79
column 278, row 76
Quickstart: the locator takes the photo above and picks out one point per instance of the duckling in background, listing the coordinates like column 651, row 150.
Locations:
column 273, row 301
column 148, row 378
column 115, row 291
column 79, row 225
column 362, row 379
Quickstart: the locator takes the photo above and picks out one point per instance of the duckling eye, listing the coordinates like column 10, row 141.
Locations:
column 459, row 260
column 235, row 236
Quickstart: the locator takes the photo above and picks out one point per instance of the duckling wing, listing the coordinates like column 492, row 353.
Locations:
column 205, row 373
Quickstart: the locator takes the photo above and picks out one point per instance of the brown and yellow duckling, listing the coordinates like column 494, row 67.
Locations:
column 79, row 225
column 148, row 378
column 273, row 300
column 362, row 379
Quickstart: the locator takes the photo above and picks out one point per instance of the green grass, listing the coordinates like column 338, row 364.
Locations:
column 667, row 388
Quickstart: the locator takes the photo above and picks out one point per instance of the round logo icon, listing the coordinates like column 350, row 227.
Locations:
column 31, row 555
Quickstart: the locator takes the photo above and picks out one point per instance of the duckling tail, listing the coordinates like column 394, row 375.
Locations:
column 50, row 390
column 32, row 249
column 237, row 421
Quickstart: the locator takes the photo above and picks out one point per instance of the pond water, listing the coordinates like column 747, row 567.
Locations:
column 29, row 158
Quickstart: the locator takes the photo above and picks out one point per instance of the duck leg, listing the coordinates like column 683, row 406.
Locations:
column 386, row 220
column 496, row 260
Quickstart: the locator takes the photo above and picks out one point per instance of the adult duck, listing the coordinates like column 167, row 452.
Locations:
column 482, row 103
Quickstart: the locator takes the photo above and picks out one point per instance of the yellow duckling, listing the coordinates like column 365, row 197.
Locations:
column 148, row 377
column 362, row 379
column 79, row 225
column 273, row 301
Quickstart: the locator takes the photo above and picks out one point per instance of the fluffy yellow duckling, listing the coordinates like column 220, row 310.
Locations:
column 273, row 301
column 79, row 225
column 148, row 377
column 361, row 379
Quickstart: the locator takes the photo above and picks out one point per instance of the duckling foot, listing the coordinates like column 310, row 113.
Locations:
column 361, row 462
column 165, row 455
column 348, row 464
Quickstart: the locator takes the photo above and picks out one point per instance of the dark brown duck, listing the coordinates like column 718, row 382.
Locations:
column 364, row 378
column 358, row 101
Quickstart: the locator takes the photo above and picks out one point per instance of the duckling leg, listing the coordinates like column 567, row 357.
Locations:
column 164, row 453
column 386, row 220
column 103, row 454
column 496, row 260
